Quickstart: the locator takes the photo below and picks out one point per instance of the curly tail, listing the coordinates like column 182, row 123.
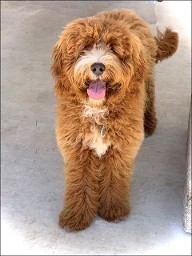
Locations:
column 167, row 43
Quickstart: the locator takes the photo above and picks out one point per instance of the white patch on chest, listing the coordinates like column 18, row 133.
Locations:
column 97, row 143
column 94, row 139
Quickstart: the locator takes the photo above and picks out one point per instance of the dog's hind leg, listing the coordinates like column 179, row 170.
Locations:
column 150, row 120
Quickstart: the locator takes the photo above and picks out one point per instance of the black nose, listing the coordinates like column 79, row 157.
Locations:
column 97, row 68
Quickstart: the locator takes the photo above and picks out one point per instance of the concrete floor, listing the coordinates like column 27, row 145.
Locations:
column 32, row 177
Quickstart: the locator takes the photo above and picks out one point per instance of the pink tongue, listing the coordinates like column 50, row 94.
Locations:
column 97, row 90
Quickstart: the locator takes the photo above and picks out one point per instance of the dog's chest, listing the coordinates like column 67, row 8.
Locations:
column 97, row 142
column 95, row 136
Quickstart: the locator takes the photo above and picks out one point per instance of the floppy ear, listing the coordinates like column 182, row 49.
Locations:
column 61, row 84
column 139, row 60
column 140, row 67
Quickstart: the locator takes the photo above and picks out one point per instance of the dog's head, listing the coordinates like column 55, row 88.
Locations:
column 98, row 60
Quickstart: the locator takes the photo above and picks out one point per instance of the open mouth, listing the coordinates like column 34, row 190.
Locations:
column 96, row 90
column 99, row 89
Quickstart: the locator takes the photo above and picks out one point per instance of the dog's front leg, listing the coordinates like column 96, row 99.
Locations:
column 114, row 185
column 81, row 196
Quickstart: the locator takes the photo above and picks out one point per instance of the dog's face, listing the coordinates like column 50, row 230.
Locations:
column 98, row 60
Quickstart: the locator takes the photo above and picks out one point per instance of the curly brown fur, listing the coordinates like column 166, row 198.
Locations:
column 99, row 136
column 167, row 43
column 150, row 120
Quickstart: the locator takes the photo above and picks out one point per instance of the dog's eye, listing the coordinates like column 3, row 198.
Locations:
column 87, row 48
column 120, row 55
column 112, row 48
column 115, row 50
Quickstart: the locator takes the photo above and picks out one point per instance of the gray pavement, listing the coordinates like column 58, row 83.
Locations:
column 32, row 175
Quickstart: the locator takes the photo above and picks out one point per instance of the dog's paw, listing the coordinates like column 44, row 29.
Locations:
column 115, row 213
column 73, row 223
